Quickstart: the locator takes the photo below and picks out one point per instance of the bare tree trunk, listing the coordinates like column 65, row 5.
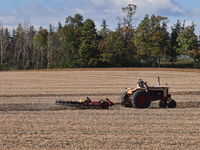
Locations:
column 1, row 35
column 19, row 54
column 24, row 55
column 41, row 58
column 159, row 61
column 33, row 58
column 48, row 49
column 14, row 58
column 2, row 48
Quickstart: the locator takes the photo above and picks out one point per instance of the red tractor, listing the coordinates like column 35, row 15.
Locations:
column 142, row 96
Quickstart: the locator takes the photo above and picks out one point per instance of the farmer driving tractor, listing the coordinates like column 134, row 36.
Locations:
column 140, row 83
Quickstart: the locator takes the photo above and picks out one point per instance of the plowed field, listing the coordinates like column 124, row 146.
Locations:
column 29, row 118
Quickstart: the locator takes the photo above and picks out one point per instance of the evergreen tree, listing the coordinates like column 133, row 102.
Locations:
column 1, row 42
column 59, row 25
column 72, row 36
column 49, row 42
column 143, row 39
column 173, row 52
column 8, row 50
column 104, row 30
column 111, row 49
column 89, row 43
column 116, row 52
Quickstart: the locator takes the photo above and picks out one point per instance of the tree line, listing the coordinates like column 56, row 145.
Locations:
column 78, row 44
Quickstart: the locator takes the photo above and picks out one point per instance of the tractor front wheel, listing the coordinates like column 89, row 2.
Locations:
column 125, row 101
column 162, row 104
column 171, row 103
column 141, row 99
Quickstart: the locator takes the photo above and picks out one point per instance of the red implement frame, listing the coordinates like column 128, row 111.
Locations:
column 101, row 103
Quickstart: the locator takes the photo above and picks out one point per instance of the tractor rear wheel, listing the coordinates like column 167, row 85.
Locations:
column 124, row 99
column 141, row 99
column 162, row 104
column 171, row 103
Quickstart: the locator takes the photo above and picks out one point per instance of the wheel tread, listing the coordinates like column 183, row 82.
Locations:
column 138, row 93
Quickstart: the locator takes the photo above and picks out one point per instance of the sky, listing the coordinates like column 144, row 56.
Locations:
column 44, row 12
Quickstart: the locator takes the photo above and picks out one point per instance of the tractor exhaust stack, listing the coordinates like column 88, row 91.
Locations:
column 158, row 81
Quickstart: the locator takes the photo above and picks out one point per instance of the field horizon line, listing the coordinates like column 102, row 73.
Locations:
column 112, row 69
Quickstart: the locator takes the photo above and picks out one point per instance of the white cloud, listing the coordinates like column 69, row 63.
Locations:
column 98, row 2
column 81, row 11
column 197, row 28
column 188, row 23
column 196, row 12
column 151, row 6
column 15, row 11
column 52, row 12
column 7, row 19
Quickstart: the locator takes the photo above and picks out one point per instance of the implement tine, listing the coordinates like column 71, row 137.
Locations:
column 100, row 103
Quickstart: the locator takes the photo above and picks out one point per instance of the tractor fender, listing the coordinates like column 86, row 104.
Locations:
column 132, row 90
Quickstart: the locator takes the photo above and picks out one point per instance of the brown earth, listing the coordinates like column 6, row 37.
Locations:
column 31, row 120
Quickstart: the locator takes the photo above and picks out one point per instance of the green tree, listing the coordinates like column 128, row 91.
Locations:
column 128, row 19
column 5, row 48
column 189, row 44
column 59, row 25
column 50, row 47
column 59, row 48
column 104, row 30
column 152, row 38
column 89, row 42
column 2, row 47
column 160, row 37
column 32, row 50
column 125, row 27
column 8, row 50
column 116, row 52
column 118, row 48
column 195, row 54
column 187, row 40
column 2, row 35
column 41, row 46
column 23, row 46
column 72, row 37
column 29, row 33
column 143, row 39
column 172, row 53
column 111, row 49
column 19, row 45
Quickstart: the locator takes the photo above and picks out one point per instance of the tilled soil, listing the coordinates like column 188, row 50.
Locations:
column 118, row 128
column 31, row 120
column 55, row 107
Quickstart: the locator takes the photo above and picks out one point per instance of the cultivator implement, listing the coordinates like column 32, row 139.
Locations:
column 88, row 103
